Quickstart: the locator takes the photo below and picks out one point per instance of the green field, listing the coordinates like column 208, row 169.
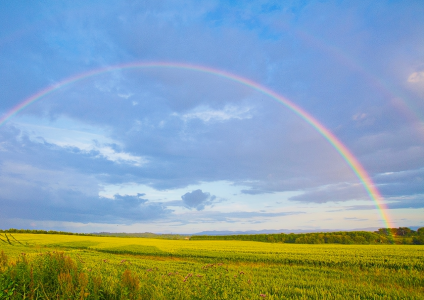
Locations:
column 90, row 267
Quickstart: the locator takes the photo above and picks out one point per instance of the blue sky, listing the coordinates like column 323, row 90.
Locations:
column 177, row 150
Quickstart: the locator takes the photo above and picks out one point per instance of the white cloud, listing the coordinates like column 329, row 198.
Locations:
column 83, row 140
column 125, row 96
column 229, row 112
column 416, row 77
column 120, row 157
column 359, row 116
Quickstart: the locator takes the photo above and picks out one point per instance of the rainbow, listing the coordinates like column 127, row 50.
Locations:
column 350, row 159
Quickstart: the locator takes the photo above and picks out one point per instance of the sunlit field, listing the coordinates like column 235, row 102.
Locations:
column 87, row 267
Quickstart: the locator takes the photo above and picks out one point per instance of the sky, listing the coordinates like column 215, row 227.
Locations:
column 190, row 116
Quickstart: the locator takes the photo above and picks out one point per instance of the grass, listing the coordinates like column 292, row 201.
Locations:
column 89, row 267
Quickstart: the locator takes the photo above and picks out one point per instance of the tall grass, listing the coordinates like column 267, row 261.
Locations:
column 44, row 276
column 55, row 275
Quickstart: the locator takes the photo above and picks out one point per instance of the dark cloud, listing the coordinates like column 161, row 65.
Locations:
column 130, row 200
column 74, row 206
column 333, row 193
column 255, row 192
column 403, row 183
column 41, row 181
column 197, row 199
column 233, row 217
column 206, row 152
column 391, row 150
column 415, row 201
column 355, row 219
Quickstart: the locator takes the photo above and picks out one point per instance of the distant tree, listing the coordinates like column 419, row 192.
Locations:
column 404, row 231
column 383, row 231
column 360, row 240
column 418, row 240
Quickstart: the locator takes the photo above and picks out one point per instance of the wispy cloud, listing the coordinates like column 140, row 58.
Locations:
column 210, row 115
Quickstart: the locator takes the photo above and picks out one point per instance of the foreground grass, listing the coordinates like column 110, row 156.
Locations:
column 75, row 267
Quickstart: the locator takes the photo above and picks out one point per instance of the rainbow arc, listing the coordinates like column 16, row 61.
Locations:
column 345, row 153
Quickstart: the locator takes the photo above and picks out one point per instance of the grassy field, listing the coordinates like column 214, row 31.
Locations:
column 90, row 267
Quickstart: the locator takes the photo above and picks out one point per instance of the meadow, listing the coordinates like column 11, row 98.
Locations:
column 41, row 266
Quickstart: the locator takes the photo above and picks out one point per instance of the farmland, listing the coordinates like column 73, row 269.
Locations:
column 90, row 267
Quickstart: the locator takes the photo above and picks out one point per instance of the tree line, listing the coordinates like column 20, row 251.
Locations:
column 401, row 235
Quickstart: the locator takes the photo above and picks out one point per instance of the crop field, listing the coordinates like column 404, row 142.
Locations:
column 38, row 266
